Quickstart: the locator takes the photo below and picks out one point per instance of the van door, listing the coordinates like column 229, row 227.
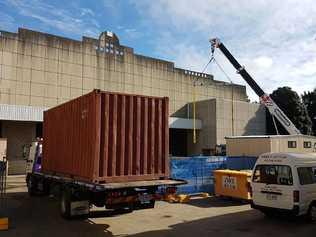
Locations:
column 307, row 180
column 272, row 186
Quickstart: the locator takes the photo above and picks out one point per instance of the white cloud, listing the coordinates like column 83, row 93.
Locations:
column 76, row 20
column 87, row 11
column 132, row 33
column 6, row 21
column 275, row 40
column 263, row 62
column 307, row 69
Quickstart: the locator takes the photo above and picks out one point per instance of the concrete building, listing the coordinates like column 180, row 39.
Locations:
column 39, row 70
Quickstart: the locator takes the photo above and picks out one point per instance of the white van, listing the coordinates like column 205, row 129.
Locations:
column 285, row 183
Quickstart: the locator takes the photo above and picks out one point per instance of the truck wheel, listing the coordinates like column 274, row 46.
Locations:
column 65, row 205
column 46, row 188
column 312, row 213
column 151, row 204
column 73, row 206
column 31, row 186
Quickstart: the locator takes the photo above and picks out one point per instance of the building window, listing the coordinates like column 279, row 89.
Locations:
column 291, row 144
column 307, row 144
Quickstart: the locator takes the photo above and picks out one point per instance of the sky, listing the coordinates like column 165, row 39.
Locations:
column 274, row 40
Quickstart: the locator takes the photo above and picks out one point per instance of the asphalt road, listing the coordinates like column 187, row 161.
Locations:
column 39, row 216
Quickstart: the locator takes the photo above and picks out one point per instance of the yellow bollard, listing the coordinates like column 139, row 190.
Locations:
column 183, row 198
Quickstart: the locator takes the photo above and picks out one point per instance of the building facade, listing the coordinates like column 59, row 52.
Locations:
column 39, row 71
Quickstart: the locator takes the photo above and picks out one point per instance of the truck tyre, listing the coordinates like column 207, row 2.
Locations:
column 312, row 213
column 151, row 204
column 46, row 188
column 31, row 186
column 67, row 199
column 65, row 204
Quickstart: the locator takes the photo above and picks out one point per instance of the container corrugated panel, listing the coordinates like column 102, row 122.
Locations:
column 197, row 171
column 241, row 162
column 108, row 137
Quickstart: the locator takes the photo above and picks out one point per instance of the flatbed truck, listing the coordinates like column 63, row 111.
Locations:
column 77, row 197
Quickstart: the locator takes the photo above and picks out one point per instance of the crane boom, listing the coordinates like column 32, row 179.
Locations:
column 264, row 98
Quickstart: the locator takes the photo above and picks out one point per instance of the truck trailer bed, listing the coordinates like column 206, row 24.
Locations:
column 112, row 186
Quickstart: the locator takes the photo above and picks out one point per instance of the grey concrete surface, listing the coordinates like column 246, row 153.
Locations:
column 39, row 216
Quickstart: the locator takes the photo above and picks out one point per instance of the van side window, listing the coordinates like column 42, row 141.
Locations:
column 307, row 175
column 273, row 174
column 307, row 144
column 291, row 144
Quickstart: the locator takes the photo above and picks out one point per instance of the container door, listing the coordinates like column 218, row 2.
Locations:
column 272, row 186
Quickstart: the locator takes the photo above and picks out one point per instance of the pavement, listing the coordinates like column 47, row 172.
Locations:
column 39, row 216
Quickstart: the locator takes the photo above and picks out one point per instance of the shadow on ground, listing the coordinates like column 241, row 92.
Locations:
column 39, row 216
column 246, row 223
column 214, row 202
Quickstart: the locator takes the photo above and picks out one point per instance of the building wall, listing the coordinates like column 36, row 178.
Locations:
column 38, row 69
column 218, row 122
column 206, row 137
column 42, row 70
column 247, row 119
column 18, row 134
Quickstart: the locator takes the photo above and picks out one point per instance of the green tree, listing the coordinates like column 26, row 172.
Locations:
column 309, row 99
column 292, row 105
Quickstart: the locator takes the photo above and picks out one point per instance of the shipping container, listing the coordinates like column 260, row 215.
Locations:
column 106, row 137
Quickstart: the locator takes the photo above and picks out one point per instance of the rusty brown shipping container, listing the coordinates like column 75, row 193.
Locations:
column 108, row 137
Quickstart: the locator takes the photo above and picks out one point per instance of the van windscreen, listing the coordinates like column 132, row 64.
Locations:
column 273, row 174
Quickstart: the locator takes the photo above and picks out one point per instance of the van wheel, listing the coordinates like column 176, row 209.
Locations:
column 312, row 213
column 268, row 214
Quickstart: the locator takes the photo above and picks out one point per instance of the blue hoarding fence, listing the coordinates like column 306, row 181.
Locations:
column 197, row 171
column 241, row 162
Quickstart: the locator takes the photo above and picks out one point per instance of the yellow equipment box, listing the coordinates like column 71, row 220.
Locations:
column 4, row 223
column 233, row 183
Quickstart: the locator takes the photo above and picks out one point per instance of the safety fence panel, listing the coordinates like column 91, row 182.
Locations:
column 241, row 162
column 197, row 171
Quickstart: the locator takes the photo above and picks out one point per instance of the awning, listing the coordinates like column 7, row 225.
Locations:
column 21, row 113
column 183, row 123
